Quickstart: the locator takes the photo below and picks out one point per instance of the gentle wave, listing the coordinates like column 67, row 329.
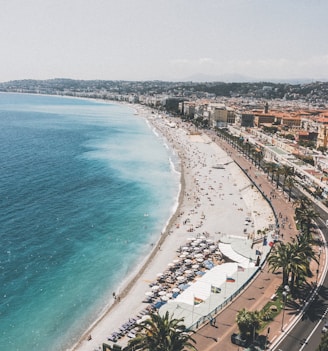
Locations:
column 78, row 178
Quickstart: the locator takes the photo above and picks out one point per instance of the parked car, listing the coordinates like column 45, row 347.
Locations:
column 238, row 340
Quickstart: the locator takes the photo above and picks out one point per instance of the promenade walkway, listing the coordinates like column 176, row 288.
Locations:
column 260, row 291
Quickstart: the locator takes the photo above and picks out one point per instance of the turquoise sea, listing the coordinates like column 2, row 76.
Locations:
column 77, row 178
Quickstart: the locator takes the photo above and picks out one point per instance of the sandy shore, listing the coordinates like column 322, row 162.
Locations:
column 213, row 201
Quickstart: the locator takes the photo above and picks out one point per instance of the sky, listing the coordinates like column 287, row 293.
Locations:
column 168, row 40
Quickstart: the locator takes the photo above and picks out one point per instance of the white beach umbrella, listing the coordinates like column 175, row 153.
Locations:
column 155, row 287
column 159, row 275
column 199, row 255
column 164, row 298
column 199, row 259
column 176, row 289
column 195, row 266
column 162, row 293
column 149, row 293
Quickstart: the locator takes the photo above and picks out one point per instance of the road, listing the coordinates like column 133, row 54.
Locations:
column 306, row 334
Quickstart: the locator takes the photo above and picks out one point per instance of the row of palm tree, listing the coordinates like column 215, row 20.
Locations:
column 254, row 153
column 294, row 258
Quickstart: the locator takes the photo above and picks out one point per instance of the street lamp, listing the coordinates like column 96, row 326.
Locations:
column 284, row 297
column 320, row 250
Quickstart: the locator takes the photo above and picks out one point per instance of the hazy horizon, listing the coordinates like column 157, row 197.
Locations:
column 255, row 40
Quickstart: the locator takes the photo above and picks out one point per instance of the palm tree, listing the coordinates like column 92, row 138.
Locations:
column 271, row 167
column 280, row 257
column 286, row 171
column 302, row 202
column 278, row 173
column 299, row 267
column 248, row 323
column 294, row 260
column 162, row 333
column 306, row 216
column 289, row 183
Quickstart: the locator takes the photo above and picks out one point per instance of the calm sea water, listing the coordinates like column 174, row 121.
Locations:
column 76, row 180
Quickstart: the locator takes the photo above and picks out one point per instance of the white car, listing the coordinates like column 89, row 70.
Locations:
column 325, row 328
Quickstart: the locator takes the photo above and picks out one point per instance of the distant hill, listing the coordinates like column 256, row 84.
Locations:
column 239, row 78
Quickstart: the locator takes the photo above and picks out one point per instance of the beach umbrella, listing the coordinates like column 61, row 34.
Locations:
column 162, row 293
column 188, row 271
column 195, row 266
column 175, row 289
column 169, row 295
column 155, row 287
column 159, row 275
column 184, row 286
column 199, row 259
column 171, row 265
column 143, row 318
column 199, row 255
column 176, row 261
column 206, row 251
column 181, row 278
column 164, row 298
column 188, row 260
column 149, row 293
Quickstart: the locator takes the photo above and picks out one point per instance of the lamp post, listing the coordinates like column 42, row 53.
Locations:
column 284, row 297
column 316, row 280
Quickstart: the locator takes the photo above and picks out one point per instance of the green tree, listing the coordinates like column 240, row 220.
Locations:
column 299, row 265
column 294, row 260
column 286, row 171
column 323, row 346
column 289, row 184
column 280, row 258
column 271, row 167
column 305, row 217
column 162, row 333
column 248, row 323
column 302, row 202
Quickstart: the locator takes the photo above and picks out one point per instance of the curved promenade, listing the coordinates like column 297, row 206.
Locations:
column 265, row 284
